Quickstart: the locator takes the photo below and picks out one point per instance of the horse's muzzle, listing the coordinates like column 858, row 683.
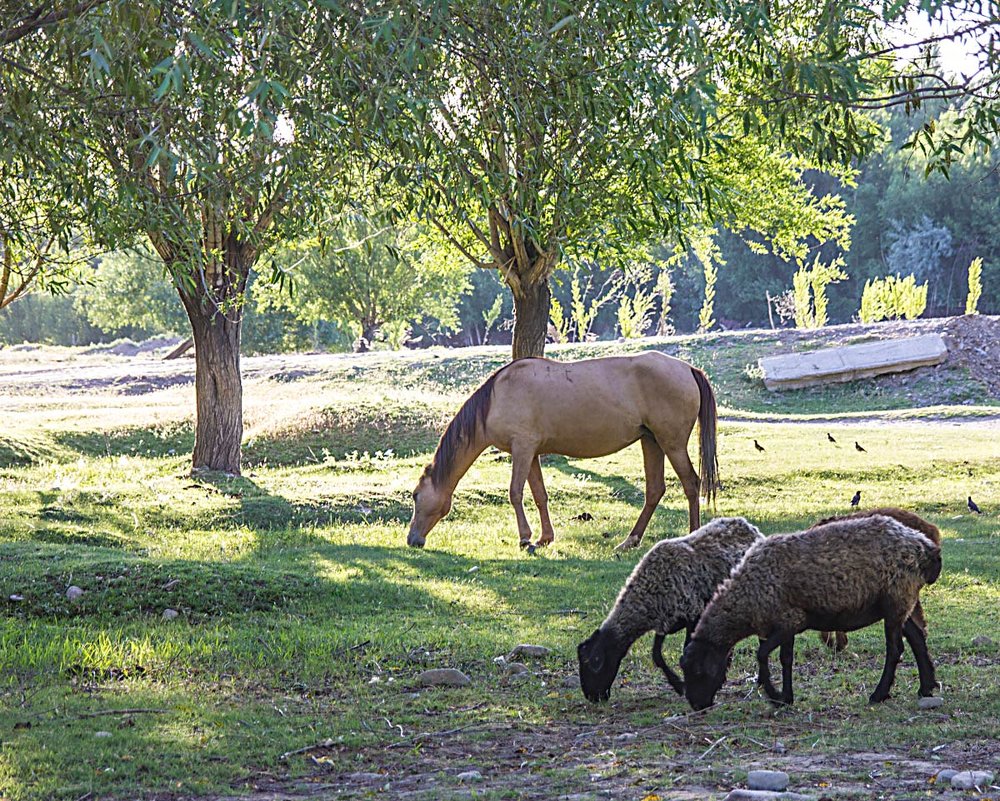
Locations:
column 414, row 540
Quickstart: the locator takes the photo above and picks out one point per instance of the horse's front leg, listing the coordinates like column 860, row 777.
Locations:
column 652, row 459
column 521, row 458
column 541, row 497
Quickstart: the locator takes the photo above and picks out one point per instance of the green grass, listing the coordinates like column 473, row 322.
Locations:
column 304, row 619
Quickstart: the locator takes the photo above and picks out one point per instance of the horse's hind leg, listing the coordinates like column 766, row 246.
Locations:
column 521, row 459
column 652, row 457
column 681, row 463
column 541, row 497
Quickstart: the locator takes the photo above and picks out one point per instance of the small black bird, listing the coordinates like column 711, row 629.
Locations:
column 856, row 499
column 859, row 448
column 829, row 436
column 758, row 446
column 973, row 507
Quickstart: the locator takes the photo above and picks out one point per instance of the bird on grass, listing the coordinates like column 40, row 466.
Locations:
column 856, row 499
column 973, row 507
column 758, row 446
column 859, row 448
column 829, row 437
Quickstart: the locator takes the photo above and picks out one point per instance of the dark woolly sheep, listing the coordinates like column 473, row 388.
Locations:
column 666, row 592
column 841, row 576
column 837, row 640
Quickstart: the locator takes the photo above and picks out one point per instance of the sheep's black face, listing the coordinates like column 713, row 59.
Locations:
column 600, row 656
column 704, row 667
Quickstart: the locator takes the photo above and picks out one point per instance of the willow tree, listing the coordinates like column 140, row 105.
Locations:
column 216, row 130
column 536, row 132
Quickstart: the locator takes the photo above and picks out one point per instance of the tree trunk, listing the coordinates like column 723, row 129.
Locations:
column 531, row 319
column 218, row 389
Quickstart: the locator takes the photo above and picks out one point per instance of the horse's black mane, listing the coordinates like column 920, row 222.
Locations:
column 461, row 428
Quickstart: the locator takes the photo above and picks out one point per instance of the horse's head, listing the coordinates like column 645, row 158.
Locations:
column 430, row 504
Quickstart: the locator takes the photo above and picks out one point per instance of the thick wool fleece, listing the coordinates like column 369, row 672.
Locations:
column 677, row 577
column 840, row 569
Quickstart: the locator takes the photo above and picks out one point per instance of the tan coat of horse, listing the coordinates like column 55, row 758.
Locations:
column 580, row 409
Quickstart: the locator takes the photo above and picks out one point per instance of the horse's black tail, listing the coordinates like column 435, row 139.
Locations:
column 707, row 419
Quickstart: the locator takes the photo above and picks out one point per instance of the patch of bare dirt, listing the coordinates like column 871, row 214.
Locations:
column 974, row 342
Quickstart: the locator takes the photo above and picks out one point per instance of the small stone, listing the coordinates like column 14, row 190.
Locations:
column 533, row 651
column 470, row 776
column 170, row 614
column 626, row 735
column 971, row 779
column 572, row 682
column 931, row 702
column 448, row 677
column 779, row 747
column 765, row 795
column 102, row 734
column 16, row 597
column 982, row 641
column 516, row 667
column 944, row 776
column 773, row 780
column 366, row 776
column 74, row 593
column 517, row 678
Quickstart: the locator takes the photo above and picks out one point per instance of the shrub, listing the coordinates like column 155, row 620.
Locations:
column 975, row 286
column 892, row 298
column 809, row 291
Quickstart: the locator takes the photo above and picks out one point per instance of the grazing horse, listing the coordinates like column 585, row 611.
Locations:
column 578, row 409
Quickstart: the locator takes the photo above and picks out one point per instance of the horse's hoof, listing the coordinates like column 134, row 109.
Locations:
column 530, row 548
column 626, row 545
column 524, row 544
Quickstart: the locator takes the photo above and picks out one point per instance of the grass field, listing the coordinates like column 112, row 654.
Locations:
column 303, row 619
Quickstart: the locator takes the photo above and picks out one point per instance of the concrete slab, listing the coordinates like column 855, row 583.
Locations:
column 851, row 362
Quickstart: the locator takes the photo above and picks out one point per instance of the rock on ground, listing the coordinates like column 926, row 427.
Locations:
column 572, row 681
column 773, row 780
column 982, row 641
column 470, row 776
column 931, row 702
column 448, row 677
column 970, row 779
column 74, row 593
column 765, row 795
column 527, row 650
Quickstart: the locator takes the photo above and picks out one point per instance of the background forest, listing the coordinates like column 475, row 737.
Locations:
column 397, row 286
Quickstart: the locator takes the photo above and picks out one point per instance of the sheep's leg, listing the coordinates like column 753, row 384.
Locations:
column 521, row 459
column 537, row 486
column 893, row 651
column 764, row 670
column 918, row 644
column 787, row 655
column 652, row 459
column 675, row 681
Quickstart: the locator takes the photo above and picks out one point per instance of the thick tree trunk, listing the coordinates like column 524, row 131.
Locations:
column 218, row 390
column 531, row 319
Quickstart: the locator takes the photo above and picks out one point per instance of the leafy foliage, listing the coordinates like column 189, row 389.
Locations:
column 892, row 298
column 809, row 291
column 368, row 276
column 975, row 286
